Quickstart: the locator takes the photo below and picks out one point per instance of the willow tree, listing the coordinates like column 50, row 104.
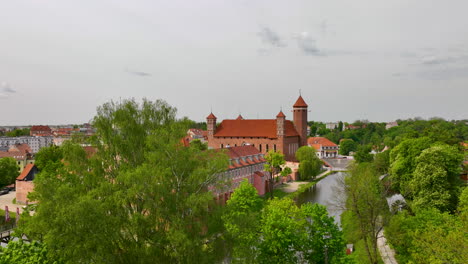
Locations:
column 142, row 197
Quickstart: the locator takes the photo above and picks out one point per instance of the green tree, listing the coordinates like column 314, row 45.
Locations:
column 325, row 243
column 19, row 252
column 282, row 228
column 49, row 158
column 366, row 205
column 382, row 162
column 346, row 146
column 141, row 198
column 241, row 222
column 18, row 132
column 309, row 163
column 274, row 160
column 403, row 162
column 196, row 143
column 8, row 171
column 435, row 180
column 363, row 154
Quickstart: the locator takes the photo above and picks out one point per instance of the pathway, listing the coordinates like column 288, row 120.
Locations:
column 293, row 186
column 387, row 254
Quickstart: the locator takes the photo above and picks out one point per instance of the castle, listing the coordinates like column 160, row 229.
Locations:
column 264, row 134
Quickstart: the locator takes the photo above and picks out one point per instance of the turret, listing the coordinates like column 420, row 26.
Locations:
column 300, row 119
column 211, row 125
column 280, row 129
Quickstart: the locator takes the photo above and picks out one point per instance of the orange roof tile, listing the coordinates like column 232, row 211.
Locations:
column 300, row 102
column 25, row 172
column 325, row 142
column 253, row 128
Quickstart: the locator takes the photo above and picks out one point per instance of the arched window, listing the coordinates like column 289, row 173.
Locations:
column 260, row 147
column 266, row 147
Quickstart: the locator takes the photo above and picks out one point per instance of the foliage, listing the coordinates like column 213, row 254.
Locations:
column 366, row 205
column 436, row 178
column 403, row 162
column 325, row 240
column 8, row 171
column 363, row 154
column 347, row 145
column 141, row 198
column 286, row 171
column 20, row 252
column 274, row 160
column 428, row 237
column 196, row 143
column 309, row 163
column 49, row 158
column 18, row 132
column 382, row 162
column 241, row 222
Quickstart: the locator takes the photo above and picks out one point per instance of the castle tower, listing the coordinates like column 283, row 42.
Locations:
column 211, row 125
column 280, row 129
column 300, row 119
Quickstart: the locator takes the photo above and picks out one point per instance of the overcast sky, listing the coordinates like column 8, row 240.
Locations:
column 359, row 59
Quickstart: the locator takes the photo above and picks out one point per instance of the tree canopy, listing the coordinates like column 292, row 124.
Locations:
column 309, row 163
column 142, row 197
column 8, row 171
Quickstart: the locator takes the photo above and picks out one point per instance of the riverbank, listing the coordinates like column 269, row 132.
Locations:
column 293, row 189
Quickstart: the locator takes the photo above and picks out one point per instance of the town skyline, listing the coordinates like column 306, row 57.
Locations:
column 374, row 60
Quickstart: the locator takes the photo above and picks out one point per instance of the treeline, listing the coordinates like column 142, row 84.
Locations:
column 377, row 136
column 142, row 197
column 430, row 225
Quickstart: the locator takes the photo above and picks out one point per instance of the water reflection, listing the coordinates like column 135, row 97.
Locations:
column 325, row 192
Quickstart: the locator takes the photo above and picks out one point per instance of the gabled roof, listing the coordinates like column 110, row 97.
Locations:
column 300, row 102
column 265, row 128
column 40, row 128
column 25, row 172
column 316, row 141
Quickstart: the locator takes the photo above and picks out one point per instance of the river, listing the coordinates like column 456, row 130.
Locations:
column 325, row 193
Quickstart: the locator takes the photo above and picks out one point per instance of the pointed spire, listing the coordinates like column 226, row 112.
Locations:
column 281, row 114
column 211, row 116
column 300, row 102
column 240, row 117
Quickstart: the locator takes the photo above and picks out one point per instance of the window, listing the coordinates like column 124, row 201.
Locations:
column 274, row 147
column 221, row 145
column 260, row 147
column 266, row 147
column 235, row 145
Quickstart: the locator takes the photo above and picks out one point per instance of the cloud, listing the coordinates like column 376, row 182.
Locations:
column 269, row 37
column 444, row 74
column 6, row 90
column 308, row 45
column 433, row 60
column 138, row 73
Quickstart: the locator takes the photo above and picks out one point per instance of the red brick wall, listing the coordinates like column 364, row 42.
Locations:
column 22, row 190
column 282, row 144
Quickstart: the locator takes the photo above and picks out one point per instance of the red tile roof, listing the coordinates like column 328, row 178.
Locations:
column 40, row 128
column 281, row 114
column 211, row 116
column 300, row 102
column 242, row 151
column 196, row 131
column 25, row 172
column 239, row 117
column 253, row 128
column 325, row 142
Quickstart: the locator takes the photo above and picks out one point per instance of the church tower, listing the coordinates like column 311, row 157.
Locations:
column 300, row 119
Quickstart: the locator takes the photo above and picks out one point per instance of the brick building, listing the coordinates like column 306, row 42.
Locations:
column 42, row 131
column 245, row 162
column 264, row 134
